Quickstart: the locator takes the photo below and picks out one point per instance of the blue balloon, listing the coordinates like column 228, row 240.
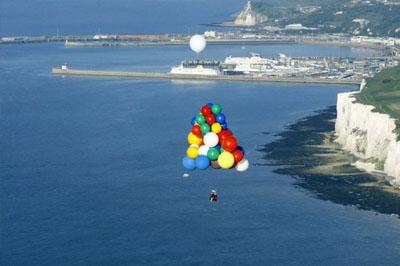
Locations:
column 240, row 148
column 224, row 125
column 193, row 120
column 210, row 104
column 220, row 118
column 218, row 147
column 188, row 163
column 202, row 162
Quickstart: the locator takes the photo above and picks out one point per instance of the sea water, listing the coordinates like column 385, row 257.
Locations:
column 82, row 17
column 91, row 168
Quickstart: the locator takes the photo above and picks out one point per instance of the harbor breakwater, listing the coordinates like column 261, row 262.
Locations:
column 369, row 136
column 165, row 75
column 181, row 41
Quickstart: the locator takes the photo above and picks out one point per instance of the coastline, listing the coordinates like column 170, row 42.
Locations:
column 367, row 123
column 306, row 150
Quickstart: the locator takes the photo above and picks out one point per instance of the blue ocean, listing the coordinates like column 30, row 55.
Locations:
column 91, row 168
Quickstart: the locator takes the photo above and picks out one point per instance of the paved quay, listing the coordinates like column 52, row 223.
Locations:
column 162, row 75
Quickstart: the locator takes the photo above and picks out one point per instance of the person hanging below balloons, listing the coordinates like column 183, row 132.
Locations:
column 213, row 196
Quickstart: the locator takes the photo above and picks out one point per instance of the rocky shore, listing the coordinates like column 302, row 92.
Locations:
column 307, row 150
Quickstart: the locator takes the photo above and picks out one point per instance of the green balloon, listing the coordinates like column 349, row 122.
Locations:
column 216, row 108
column 205, row 128
column 213, row 154
column 200, row 119
column 221, row 150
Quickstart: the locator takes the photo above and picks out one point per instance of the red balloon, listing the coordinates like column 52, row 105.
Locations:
column 206, row 110
column 196, row 130
column 223, row 134
column 210, row 119
column 238, row 155
column 229, row 143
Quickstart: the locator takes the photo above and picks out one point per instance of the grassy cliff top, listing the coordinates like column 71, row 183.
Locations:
column 383, row 92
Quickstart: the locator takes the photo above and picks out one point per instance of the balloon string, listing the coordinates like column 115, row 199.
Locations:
column 255, row 146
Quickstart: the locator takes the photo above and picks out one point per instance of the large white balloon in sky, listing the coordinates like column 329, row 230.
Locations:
column 197, row 43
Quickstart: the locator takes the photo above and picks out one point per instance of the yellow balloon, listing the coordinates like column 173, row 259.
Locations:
column 193, row 139
column 192, row 152
column 216, row 128
column 226, row 160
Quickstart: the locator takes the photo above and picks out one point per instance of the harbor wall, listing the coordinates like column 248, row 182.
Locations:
column 72, row 44
column 162, row 75
column 369, row 136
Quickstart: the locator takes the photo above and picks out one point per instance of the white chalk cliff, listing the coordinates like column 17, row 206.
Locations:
column 248, row 17
column 368, row 135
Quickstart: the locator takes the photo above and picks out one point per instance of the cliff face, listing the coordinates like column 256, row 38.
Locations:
column 247, row 17
column 368, row 135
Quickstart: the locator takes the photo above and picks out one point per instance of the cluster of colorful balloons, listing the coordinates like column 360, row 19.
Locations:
column 212, row 143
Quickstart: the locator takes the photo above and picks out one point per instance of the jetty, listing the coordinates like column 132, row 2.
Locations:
column 227, row 78
column 177, row 42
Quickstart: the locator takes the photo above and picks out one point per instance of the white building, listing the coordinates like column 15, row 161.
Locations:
column 210, row 34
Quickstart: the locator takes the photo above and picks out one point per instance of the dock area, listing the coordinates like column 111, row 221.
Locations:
column 72, row 44
column 227, row 78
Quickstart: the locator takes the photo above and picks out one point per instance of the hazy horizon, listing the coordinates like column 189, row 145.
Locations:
column 46, row 17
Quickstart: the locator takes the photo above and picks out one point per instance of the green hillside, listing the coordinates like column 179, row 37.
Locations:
column 383, row 92
column 335, row 16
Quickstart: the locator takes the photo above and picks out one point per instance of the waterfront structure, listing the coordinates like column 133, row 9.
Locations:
column 298, row 26
column 197, row 70
column 387, row 41
column 322, row 67
column 388, row 45
column 210, row 34
column 102, row 37
column 197, row 77
column 262, row 69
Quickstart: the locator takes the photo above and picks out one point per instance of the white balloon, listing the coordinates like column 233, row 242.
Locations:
column 197, row 43
column 211, row 139
column 203, row 150
column 242, row 166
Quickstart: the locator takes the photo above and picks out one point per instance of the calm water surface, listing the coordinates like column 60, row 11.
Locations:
column 90, row 168
column 47, row 17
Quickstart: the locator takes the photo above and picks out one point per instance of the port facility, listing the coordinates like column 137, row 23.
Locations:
column 64, row 71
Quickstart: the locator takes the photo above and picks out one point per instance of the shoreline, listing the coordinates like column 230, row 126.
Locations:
column 306, row 150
